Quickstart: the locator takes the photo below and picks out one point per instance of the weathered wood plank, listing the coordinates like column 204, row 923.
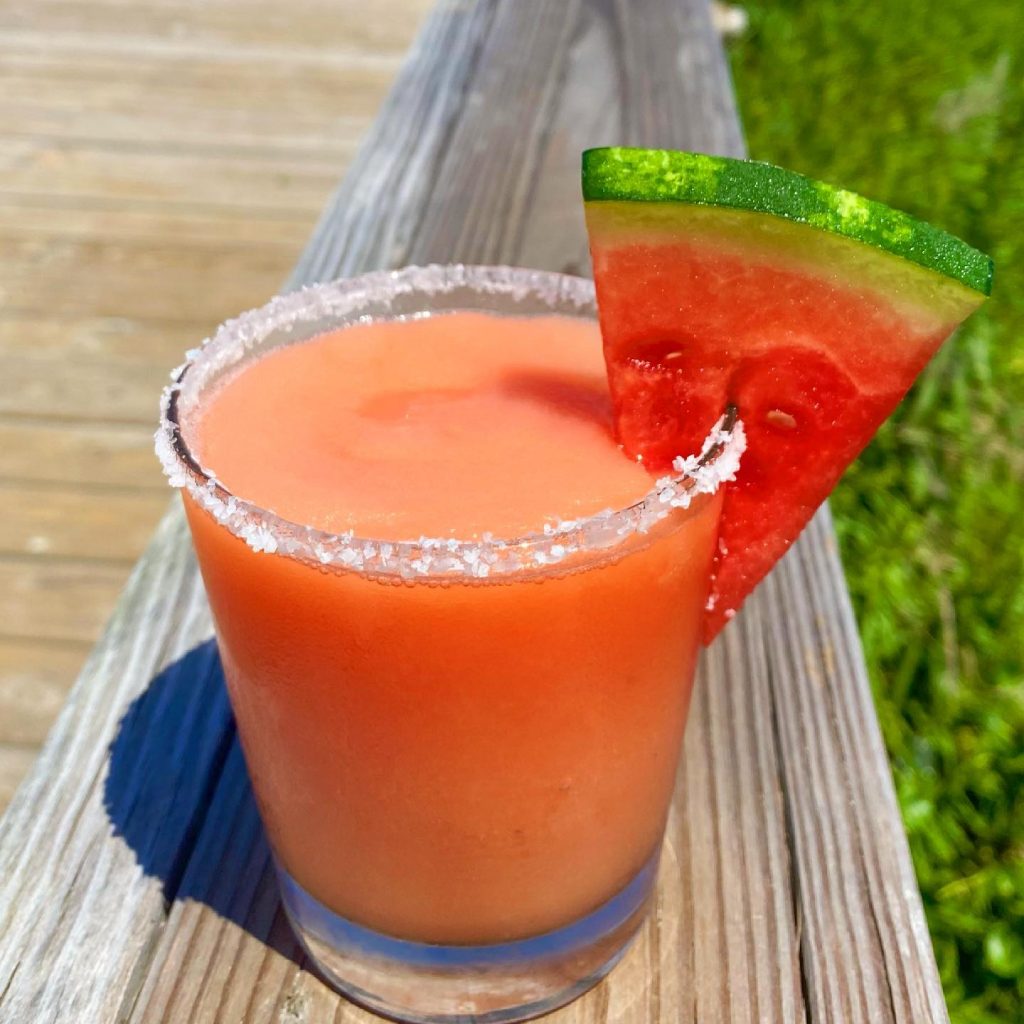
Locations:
column 45, row 224
column 15, row 761
column 65, row 522
column 68, row 454
column 866, row 951
column 340, row 33
column 138, row 130
column 344, row 92
column 230, row 870
column 399, row 159
column 109, row 339
column 227, row 79
column 746, row 937
column 38, row 170
column 35, row 677
column 109, row 391
column 51, row 600
column 142, row 278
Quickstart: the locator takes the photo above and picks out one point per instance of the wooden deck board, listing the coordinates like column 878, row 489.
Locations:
column 15, row 761
column 35, row 677
column 336, row 33
column 43, row 172
column 100, row 458
column 57, row 599
column 102, row 523
column 786, row 892
column 161, row 167
column 79, row 388
column 151, row 341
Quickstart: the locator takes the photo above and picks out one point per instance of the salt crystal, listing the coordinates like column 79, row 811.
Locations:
column 259, row 538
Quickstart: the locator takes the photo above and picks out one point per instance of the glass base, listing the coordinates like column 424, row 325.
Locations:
column 496, row 984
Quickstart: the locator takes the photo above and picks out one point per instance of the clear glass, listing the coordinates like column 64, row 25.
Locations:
column 463, row 750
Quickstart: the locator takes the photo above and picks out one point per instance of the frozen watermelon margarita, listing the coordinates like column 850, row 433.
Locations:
column 463, row 531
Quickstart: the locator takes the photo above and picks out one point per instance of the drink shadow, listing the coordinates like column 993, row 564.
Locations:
column 177, row 792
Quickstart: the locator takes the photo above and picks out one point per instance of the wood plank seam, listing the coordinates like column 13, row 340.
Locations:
column 821, row 973
column 823, row 643
column 13, row 483
column 175, row 50
column 64, row 642
column 783, row 1008
column 797, row 895
column 106, row 420
column 222, row 210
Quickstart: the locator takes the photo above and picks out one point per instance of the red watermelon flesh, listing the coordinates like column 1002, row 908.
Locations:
column 815, row 356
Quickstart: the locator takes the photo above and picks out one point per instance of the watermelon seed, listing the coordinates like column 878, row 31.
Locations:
column 778, row 418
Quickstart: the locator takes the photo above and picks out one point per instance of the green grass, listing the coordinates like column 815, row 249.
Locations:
column 921, row 105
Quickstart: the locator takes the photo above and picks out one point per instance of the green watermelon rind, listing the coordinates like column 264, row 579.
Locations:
column 620, row 173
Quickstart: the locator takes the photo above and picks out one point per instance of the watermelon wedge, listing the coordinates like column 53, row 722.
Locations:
column 808, row 307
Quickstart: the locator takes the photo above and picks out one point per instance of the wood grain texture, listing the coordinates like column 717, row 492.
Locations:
column 37, row 170
column 93, row 389
column 98, row 524
column 150, row 340
column 97, row 457
column 15, row 761
column 786, row 893
column 104, row 27
column 35, row 677
column 56, row 601
column 136, row 272
column 42, row 227
column 860, row 905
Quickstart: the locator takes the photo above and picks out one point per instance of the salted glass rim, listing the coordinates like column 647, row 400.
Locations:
column 346, row 300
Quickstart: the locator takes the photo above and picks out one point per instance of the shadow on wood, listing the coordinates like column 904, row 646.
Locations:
column 224, row 861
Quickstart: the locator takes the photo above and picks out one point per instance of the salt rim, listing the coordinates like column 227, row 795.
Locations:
column 424, row 558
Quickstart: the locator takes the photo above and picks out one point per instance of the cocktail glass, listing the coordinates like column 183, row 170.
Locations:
column 463, row 751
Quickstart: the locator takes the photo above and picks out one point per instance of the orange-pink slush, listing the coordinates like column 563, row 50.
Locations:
column 478, row 760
